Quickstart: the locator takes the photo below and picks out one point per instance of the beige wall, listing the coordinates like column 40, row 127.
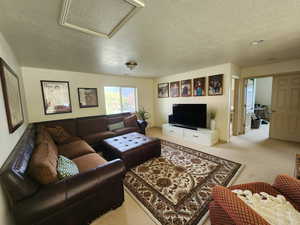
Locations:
column 218, row 104
column 33, row 76
column 270, row 69
column 8, row 141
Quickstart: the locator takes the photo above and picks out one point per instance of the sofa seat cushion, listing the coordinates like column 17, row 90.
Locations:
column 88, row 162
column 126, row 130
column 98, row 137
column 75, row 149
column 43, row 163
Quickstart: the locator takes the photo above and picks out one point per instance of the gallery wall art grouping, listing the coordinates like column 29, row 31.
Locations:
column 56, row 97
column 192, row 87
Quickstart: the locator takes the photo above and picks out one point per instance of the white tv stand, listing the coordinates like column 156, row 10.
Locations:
column 201, row 136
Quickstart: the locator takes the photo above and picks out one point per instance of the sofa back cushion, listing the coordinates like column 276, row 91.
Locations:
column 130, row 121
column 59, row 134
column 43, row 163
column 86, row 126
column 69, row 125
column 42, row 135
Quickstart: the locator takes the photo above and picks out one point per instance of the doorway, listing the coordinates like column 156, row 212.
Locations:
column 258, row 105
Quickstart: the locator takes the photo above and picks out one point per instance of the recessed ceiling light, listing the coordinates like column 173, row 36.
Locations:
column 257, row 42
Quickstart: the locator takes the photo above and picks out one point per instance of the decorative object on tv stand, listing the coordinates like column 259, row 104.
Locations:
column 12, row 97
column 186, row 88
column 163, row 90
column 88, row 97
column 199, row 86
column 215, row 85
column 143, row 115
column 56, row 97
column 212, row 121
column 175, row 89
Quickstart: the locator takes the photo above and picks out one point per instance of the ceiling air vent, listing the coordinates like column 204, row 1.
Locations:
column 98, row 17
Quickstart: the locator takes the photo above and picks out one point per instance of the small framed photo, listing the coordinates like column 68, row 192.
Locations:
column 175, row 89
column 215, row 85
column 88, row 97
column 12, row 96
column 186, row 88
column 56, row 97
column 199, row 86
column 163, row 90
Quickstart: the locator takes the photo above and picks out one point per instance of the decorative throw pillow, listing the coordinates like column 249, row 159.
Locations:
column 66, row 167
column 115, row 126
column 43, row 163
column 130, row 121
column 275, row 210
column 59, row 134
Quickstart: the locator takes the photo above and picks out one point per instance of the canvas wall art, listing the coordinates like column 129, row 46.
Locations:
column 163, row 90
column 215, row 85
column 175, row 89
column 199, row 86
column 12, row 96
column 56, row 97
column 88, row 97
column 186, row 88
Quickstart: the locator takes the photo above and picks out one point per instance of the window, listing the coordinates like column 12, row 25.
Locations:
column 120, row 99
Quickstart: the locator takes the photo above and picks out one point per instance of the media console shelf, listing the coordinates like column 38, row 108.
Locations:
column 201, row 136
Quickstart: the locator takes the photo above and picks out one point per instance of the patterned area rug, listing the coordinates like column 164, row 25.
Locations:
column 175, row 188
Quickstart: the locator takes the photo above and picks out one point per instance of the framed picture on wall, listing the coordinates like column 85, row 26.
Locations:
column 175, row 89
column 56, row 97
column 199, row 86
column 12, row 97
column 215, row 85
column 163, row 90
column 88, row 97
column 186, row 88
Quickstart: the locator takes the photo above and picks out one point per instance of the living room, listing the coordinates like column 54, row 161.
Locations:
column 143, row 115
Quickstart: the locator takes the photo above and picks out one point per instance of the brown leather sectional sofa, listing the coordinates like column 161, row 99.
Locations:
column 95, row 129
column 71, row 201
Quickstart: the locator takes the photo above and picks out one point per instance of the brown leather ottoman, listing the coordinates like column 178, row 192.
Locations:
column 133, row 148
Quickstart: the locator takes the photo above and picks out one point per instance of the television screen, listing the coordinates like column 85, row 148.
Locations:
column 190, row 115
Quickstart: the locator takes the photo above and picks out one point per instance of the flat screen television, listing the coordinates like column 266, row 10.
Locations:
column 189, row 115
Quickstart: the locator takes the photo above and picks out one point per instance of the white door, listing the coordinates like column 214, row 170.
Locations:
column 285, row 119
column 249, row 102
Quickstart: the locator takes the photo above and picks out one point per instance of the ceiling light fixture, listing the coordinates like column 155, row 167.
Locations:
column 257, row 42
column 131, row 64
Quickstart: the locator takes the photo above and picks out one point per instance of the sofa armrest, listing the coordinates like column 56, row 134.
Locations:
column 54, row 197
column 142, row 124
column 289, row 187
column 236, row 209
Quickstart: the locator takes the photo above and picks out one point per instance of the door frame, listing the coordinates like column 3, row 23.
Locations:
column 236, row 98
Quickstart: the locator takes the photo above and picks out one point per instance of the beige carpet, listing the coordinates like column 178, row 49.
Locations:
column 263, row 159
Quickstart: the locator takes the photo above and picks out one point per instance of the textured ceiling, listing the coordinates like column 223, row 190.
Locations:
column 166, row 37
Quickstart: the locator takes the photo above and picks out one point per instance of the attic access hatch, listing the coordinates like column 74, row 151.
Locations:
column 102, row 18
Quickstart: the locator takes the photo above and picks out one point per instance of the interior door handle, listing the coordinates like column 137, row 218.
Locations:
column 273, row 111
